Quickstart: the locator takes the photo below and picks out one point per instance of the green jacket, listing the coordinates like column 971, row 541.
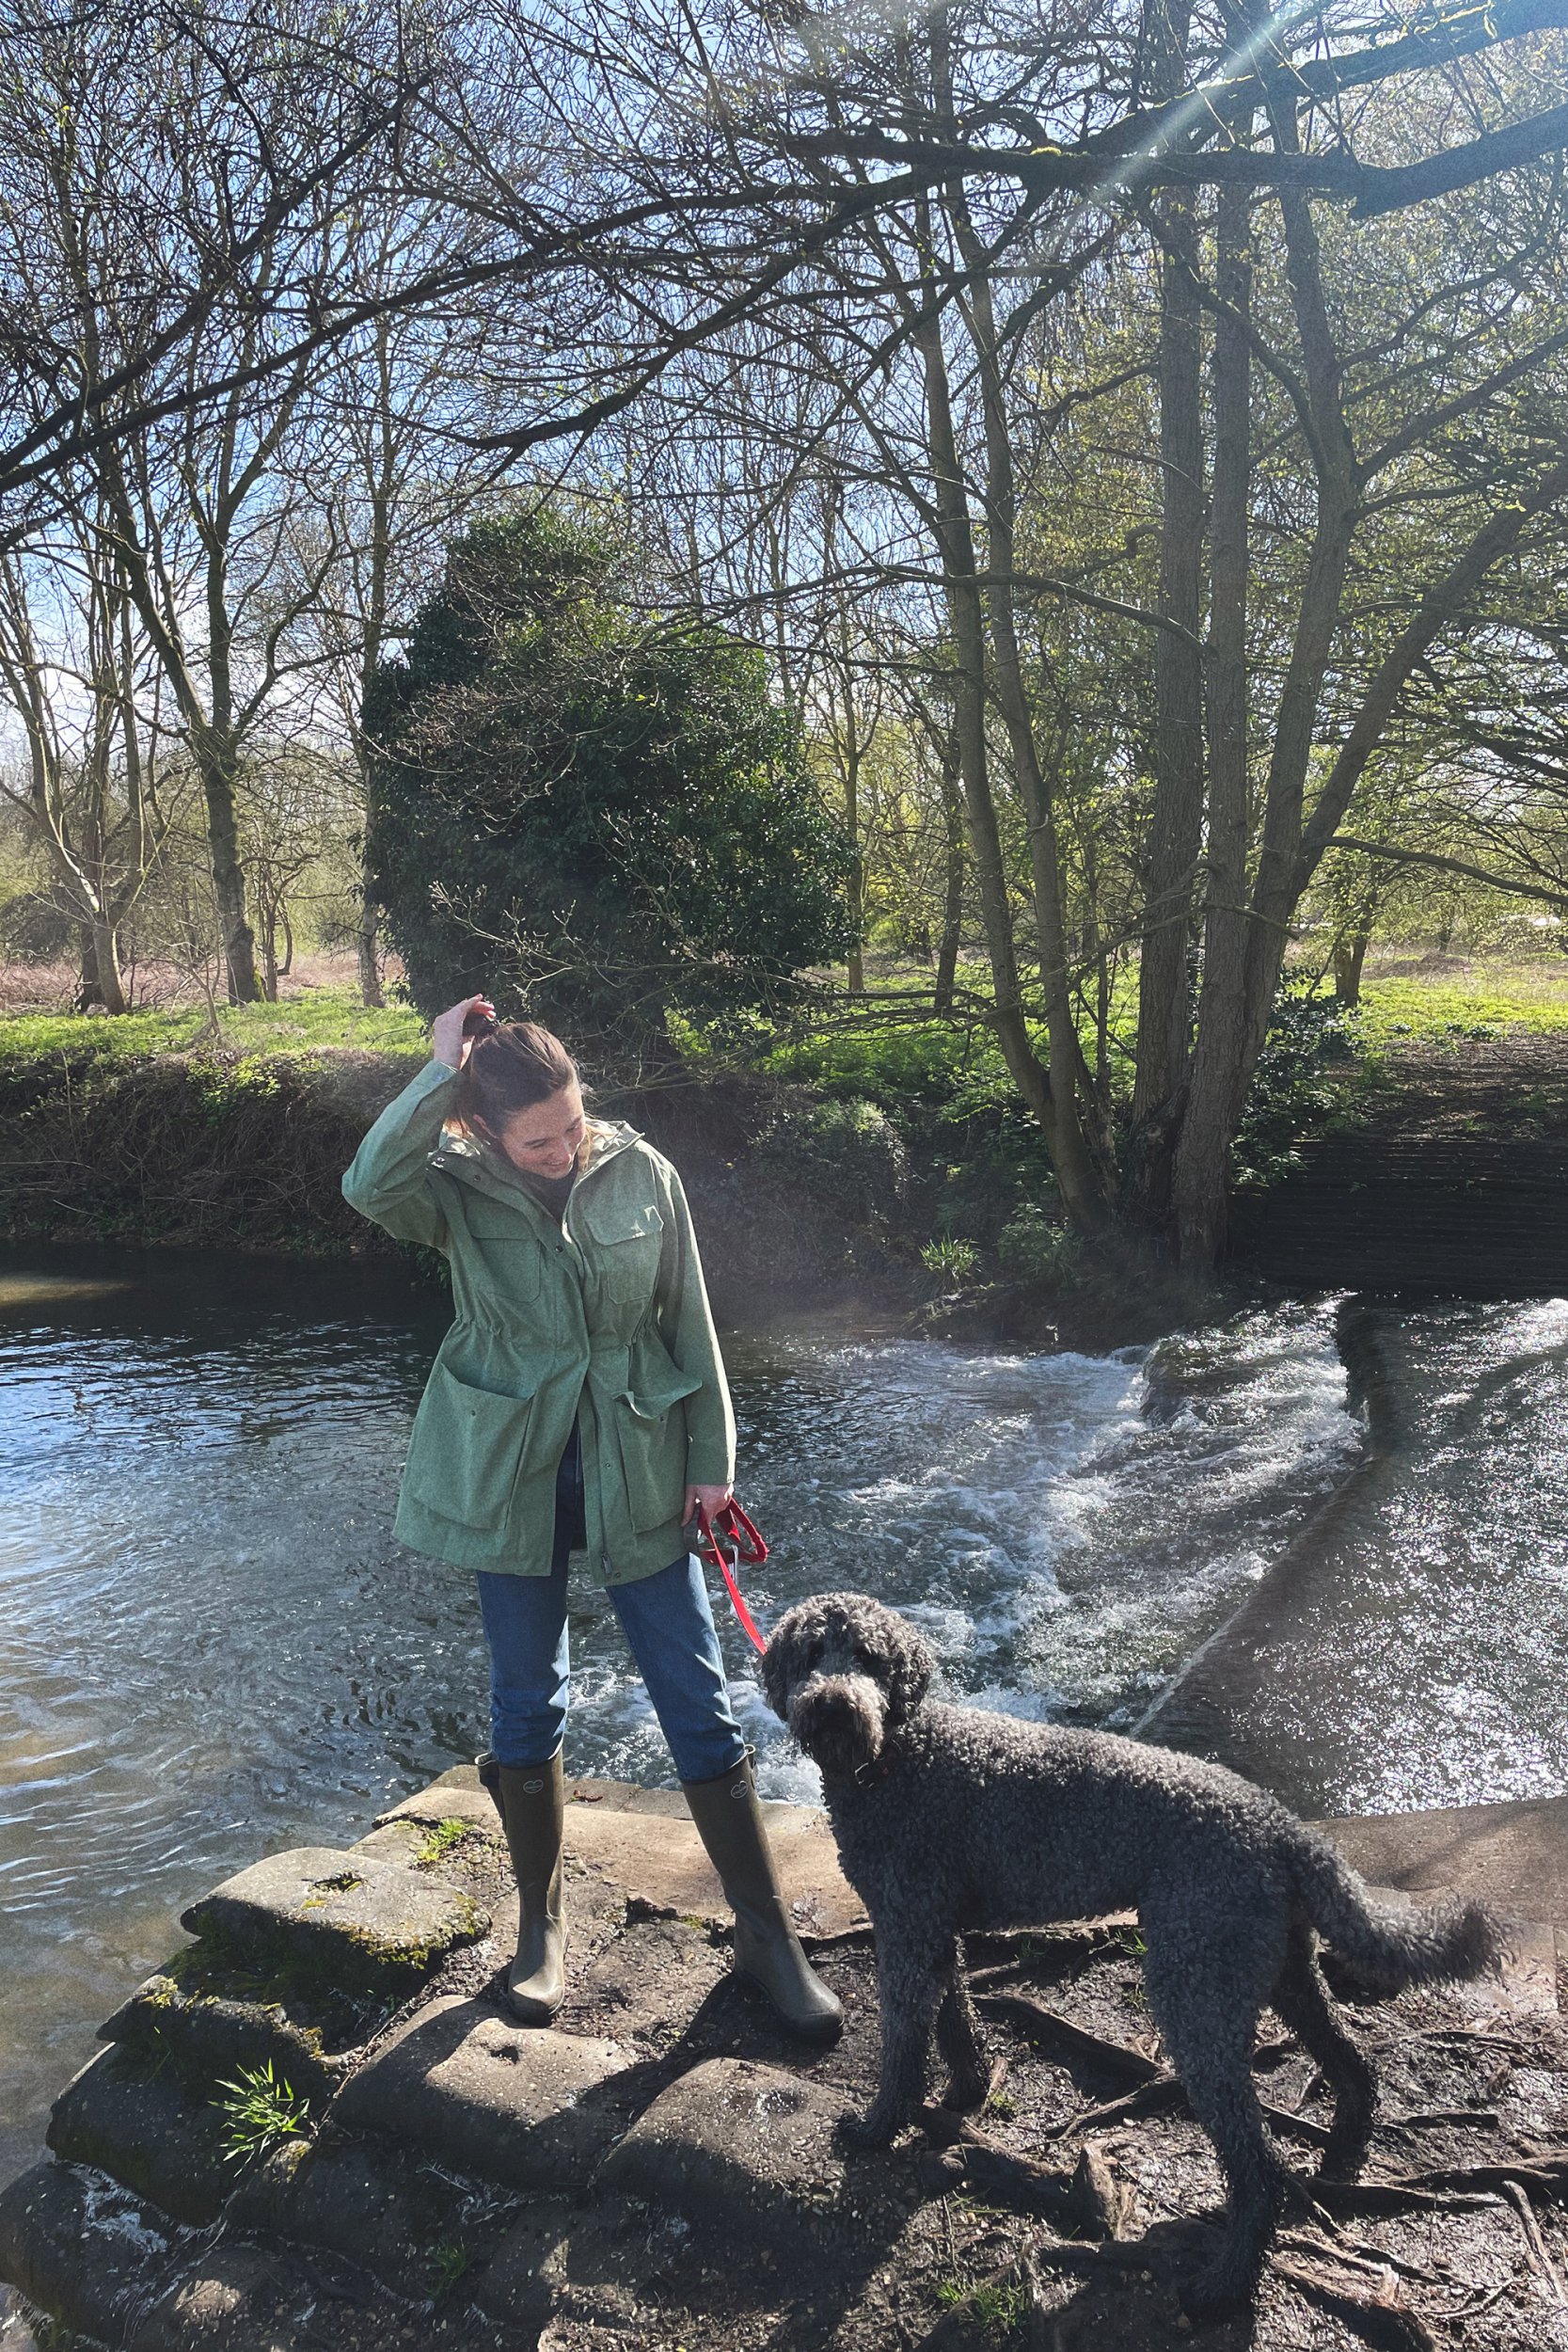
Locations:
column 603, row 1322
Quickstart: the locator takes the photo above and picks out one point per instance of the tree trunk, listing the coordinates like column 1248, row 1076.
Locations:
column 1070, row 1153
column 216, row 758
column 88, row 993
column 852, row 826
column 365, row 944
column 1164, row 980
column 1349, row 954
column 953, row 895
column 1203, row 1147
column 966, row 619
column 105, row 954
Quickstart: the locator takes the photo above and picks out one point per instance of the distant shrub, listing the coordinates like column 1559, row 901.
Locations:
column 1293, row 1089
column 1034, row 1249
column 848, row 1150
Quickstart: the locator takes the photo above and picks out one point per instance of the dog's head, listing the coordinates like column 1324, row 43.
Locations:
column 843, row 1673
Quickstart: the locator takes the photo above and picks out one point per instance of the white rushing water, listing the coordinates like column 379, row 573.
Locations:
column 212, row 1649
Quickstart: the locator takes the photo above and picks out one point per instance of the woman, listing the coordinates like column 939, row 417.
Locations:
column 578, row 1403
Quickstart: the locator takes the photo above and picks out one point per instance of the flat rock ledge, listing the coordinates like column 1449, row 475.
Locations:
column 317, row 2125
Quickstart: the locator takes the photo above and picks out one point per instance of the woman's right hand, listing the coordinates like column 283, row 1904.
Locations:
column 446, row 1040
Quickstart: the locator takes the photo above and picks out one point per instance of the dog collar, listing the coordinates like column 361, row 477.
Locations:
column 868, row 1775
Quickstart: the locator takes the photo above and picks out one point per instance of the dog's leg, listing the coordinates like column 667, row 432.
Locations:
column 1300, row 2001
column 1208, row 2031
column 959, row 2041
column 910, row 1981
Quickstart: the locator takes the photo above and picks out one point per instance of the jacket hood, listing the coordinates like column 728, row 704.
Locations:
column 605, row 1138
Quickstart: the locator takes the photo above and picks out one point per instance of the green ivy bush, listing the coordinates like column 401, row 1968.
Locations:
column 848, row 1150
column 1034, row 1250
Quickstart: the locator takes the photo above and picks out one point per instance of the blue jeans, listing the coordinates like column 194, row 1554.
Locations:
column 667, row 1623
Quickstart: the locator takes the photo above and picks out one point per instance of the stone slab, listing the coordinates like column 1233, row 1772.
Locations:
column 348, row 1919
column 235, row 2299
column 650, row 1982
column 515, row 2104
column 147, row 2133
column 579, row 2269
column 644, row 1840
column 208, row 2036
column 455, row 1797
column 1513, row 1856
column 376, row 2204
column 737, row 2149
column 85, row 2251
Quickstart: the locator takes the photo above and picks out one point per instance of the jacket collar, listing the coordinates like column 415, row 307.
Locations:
column 489, row 1171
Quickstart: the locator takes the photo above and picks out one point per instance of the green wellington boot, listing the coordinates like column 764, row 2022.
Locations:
column 767, row 1949
column 530, row 1799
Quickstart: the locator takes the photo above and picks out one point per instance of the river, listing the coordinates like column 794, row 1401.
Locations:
column 1326, row 1542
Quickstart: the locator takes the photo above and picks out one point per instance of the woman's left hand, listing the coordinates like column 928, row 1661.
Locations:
column 711, row 1499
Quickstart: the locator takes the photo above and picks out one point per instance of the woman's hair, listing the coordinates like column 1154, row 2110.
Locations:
column 511, row 1066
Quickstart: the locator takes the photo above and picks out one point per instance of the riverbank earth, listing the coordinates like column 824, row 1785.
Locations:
column 661, row 2169
column 1424, row 1148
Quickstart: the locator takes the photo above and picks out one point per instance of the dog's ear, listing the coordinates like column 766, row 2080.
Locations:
column 773, row 1673
column 911, row 1663
column 779, row 1667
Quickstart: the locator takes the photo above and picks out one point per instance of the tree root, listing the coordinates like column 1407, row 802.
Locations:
column 1375, row 2308
column 1089, row 2201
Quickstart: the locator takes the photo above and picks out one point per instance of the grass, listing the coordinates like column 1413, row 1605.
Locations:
column 443, row 1838
column 261, row 2112
column 998, row 2308
column 1489, row 997
column 320, row 1022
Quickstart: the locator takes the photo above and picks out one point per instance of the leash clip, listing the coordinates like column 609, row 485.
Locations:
column 732, row 1525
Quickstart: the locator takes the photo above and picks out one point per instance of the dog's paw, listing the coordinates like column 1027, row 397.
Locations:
column 1212, row 2297
column 1343, row 2157
column 874, row 2129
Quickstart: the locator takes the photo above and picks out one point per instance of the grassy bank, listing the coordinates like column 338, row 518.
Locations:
column 879, row 1144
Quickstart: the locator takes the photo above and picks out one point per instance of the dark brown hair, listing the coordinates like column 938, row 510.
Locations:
column 512, row 1065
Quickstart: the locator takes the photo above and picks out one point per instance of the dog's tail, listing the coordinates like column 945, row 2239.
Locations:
column 1389, row 1946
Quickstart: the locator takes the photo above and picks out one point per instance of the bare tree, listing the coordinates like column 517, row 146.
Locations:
column 95, row 787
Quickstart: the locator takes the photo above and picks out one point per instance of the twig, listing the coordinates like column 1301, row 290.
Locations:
column 1375, row 2197
column 1535, row 2244
column 1048, row 2031
column 1157, row 2098
column 1089, row 2201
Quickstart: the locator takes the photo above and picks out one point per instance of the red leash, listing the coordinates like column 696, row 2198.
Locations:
column 732, row 1525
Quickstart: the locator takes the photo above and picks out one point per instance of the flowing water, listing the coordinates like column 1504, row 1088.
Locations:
column 1350, row 1582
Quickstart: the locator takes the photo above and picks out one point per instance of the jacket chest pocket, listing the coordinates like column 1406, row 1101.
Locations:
column 627, row 1241
column 511, row 1255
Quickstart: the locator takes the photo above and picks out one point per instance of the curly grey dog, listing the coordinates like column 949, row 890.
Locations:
column 950, row 1820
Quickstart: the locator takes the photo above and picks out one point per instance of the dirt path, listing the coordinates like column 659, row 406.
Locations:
column 1451, row 1175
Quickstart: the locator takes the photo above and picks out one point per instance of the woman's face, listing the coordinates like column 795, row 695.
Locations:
column 545, row 1140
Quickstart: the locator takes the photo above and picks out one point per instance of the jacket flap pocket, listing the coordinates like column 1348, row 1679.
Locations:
column 466, row 1450
column 652, row 1400
column 613, row 1220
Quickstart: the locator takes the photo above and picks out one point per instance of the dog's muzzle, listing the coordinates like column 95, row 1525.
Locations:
column 840, row 1720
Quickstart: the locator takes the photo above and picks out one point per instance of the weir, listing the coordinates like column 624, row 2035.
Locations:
column 316, row 2116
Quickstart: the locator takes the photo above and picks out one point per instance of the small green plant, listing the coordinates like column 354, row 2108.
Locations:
column 950, row 1259
column 1034, row 1249
column 263, row 2110
column 450, row 2262
column 998, row 2305
column 442, row 1838
column 1002, row 2103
